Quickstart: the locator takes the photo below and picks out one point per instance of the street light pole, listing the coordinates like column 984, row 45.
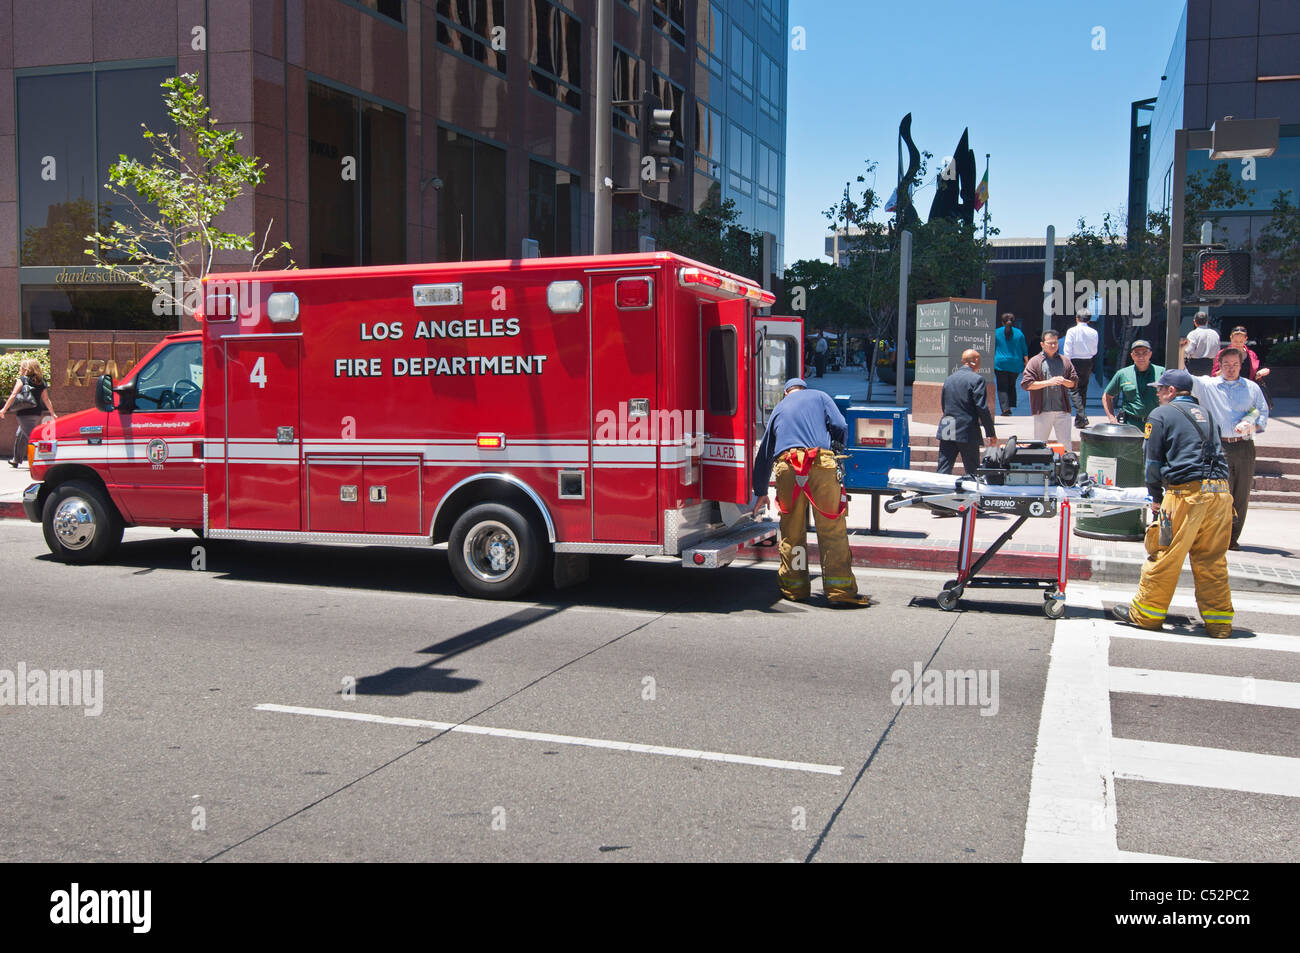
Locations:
column 603, row 214
column 1174, row 280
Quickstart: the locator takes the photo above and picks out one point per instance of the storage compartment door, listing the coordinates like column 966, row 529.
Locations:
column 392, row 496
column 335, row 490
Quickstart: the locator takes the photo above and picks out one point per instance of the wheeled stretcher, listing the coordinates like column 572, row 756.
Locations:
column 968, row 496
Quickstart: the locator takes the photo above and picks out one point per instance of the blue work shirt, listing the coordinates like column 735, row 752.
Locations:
column 805, row 419
column 1229, row 401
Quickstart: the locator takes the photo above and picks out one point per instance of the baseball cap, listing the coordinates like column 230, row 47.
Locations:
column 1178, row 380
column 1141, row 342
column 793, row 382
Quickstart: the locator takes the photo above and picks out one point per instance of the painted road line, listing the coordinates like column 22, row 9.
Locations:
column 1215, row 688
column 1133, row 857
column 558, row 739
column 1071, row 812
column 1239, row 603
column 1190, row 765
column 1260, row 640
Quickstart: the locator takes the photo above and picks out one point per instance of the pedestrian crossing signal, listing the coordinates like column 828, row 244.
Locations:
column 1223, row 274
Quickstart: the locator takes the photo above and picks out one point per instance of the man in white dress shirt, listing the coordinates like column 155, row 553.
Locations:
column 1080, row 346
column 1201, row 345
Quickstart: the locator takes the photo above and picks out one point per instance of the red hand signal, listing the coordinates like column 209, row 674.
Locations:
column 1211, row 272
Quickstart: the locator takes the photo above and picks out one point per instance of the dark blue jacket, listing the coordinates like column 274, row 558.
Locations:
column 805, row 419
column 1176, row 451
column 965, row 400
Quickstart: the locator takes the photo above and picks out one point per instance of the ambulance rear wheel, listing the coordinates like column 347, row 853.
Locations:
column 495, row 552
column 81, row 524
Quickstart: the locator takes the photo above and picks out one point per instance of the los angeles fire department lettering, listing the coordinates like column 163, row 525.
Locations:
column 472, row 365
column 459, row 328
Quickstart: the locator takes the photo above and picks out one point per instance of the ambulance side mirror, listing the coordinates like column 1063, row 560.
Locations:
column 104, row 394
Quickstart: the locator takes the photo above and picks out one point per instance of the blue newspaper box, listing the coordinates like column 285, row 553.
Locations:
column 877, row 443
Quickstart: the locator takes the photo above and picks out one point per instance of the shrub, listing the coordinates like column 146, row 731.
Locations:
column 1286, row 354
column 9, row 364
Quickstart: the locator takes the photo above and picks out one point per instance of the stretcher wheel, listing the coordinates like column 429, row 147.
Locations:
column 1053, row 607
column 948, row 598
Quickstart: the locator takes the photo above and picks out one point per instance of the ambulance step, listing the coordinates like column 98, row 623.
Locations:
column 719, row 550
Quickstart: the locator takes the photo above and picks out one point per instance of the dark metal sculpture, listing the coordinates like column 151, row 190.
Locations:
column 955, row 196
column 907, row 217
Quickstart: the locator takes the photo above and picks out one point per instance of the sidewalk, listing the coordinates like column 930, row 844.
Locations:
column 912, row 539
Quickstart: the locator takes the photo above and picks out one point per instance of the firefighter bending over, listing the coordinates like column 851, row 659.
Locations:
column 1186, row 466
column 802, row 429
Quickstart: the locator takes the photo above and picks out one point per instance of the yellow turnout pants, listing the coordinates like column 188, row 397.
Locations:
column 1201, row 513
column 832, row 534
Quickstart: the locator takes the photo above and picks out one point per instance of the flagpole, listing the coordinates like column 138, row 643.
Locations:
column 983, row 282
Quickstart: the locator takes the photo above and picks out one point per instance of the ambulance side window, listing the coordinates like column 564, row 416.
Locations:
column 722, row 371
column 172, row 380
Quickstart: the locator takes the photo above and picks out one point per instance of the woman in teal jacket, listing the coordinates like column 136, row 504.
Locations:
column 1010, row 357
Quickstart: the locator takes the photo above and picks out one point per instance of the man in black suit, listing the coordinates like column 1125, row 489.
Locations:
column 965, row 408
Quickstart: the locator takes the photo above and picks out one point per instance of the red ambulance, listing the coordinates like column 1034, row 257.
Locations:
column 528, row 413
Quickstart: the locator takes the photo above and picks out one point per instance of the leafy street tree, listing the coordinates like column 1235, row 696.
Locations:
column 1280, row 243
column 171, row 204
column 711, row 235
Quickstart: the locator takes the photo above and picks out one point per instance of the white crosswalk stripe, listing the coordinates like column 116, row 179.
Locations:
column 1073, row 811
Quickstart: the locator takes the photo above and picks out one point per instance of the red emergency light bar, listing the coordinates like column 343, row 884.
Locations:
column 687, row 277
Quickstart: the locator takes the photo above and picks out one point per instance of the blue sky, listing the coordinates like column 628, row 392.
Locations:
column 1021, row 74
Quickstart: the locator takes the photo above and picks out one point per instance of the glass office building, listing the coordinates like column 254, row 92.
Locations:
column 393, row 130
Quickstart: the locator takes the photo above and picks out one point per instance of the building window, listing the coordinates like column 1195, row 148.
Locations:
column 708, row 36
column 708, row 139
column 356, row 174
column 553, row 209
column 769, row 90
column 769, row 175
column 474, row 29
column 556, row 54
column 627, row 87
column 392, row 9
column 771, row 13
column 740, row 161
column 472, row 200
column 71, row 129
column 670, row 18
column 742, row 63
column 673, row 97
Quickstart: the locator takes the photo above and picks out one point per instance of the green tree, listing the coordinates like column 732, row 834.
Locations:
column 711, row 235
column 174, row 201
column 1280, row 243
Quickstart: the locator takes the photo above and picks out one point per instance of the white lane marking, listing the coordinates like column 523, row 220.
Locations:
column 1071, row 812
column 559, row 739
column 1132, row 857
column 1260, row 640
column 1216, row 688
column 1191, row 765
column 1239, row 603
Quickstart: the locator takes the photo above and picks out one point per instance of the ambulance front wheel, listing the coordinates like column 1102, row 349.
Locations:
column 81, row 525
column 495, row 552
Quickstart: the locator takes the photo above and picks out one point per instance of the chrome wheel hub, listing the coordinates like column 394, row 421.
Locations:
column 491, row 551
column 74, row 523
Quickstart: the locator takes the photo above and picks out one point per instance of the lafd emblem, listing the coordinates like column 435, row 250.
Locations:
column 156, row 451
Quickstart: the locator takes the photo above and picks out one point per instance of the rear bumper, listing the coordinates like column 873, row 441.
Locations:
column 30, row 507
column 717, row 550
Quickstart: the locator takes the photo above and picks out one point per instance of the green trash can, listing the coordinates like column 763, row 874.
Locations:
column 1112, row 454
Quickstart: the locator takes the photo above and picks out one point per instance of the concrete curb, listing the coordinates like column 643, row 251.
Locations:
column 12, row 510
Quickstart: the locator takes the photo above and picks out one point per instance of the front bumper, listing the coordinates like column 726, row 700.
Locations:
column 30, row 505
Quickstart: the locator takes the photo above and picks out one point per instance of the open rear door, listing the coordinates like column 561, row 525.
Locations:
column 727, row 394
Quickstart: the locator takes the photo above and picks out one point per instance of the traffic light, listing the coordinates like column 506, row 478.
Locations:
column 662, row 137
column 1223, row 274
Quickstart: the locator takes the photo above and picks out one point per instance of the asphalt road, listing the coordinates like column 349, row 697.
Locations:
column 300, row 703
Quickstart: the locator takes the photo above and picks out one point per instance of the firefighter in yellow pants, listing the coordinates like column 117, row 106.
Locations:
column 1187, row 473
column 1201, row 514
column 821, row 488
column 803, row 425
